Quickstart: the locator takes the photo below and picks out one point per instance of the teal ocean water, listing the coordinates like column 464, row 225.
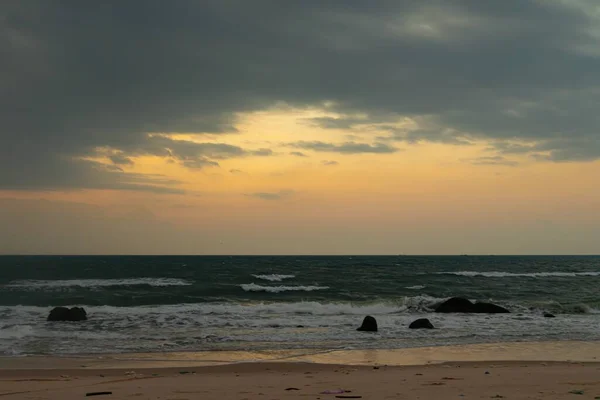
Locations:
column 158, row 304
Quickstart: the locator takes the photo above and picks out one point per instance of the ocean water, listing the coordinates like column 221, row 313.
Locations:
column 173, row 304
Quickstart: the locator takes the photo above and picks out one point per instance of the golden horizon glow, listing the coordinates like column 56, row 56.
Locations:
column 419, row 192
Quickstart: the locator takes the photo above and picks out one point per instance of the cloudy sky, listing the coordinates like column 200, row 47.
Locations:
column 300, row 127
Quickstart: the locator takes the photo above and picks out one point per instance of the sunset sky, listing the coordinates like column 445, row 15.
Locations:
column 300, row 127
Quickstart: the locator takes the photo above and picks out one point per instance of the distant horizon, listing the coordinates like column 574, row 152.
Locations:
column 299, row 255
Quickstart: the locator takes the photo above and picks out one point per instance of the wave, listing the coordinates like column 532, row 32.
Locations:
column 274, row 277
column 161, row 313
column 416, row 287
column 253, row 287
column 94, row 283
column 15, row 331
column 230, row 312
column 500, row 274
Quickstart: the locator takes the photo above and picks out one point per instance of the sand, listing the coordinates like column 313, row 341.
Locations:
column 58, row 378
column 300, row 381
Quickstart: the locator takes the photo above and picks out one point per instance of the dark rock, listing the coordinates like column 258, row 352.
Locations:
column 67, row 314
column 460, row 305
column 455, row 304
column 549, row 315
column 489, row 308
column 369, row 324
column 421, row 323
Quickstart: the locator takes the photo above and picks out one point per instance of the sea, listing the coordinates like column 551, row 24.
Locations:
column 148, row 304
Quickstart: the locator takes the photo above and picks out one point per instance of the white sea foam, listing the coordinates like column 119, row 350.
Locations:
column 253, row 287
column 269, row 325
column 201, row 310
column 94, row 283
column 15, row 331
column 499, row 274
column 416, row 287
column 274, row 277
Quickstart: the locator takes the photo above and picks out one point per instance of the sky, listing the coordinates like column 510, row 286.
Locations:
column 300, row 127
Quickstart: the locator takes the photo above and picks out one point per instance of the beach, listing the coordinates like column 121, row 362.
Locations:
column 567, row 370
column 179, row 328
column 481, row 380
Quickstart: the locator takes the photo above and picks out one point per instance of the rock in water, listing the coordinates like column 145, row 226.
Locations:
column 421, row 323
column 59, row 314
column 369, row 324
column 489, row 308
column 454, row 305
column 66, row 314
column 78, row 314
column 460, row 305
column 549, row 315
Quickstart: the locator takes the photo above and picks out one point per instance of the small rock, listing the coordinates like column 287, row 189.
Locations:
column 421, row 323
column 369, row 324
column 67, row 314
column 549, row 315
column 461, row 305
column 97, row 394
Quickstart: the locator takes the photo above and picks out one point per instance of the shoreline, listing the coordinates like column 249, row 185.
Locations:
column 525, row 370
column 547, row 351
column 265, row 380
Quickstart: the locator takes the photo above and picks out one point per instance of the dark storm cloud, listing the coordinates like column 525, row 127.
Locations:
column 62, row 174
column 77, row 75
column 345, row 148
column 336, row 123
column 446, row 136
column 193, row 154
column 120, row 159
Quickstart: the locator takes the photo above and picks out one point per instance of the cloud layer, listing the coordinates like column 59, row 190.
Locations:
column 82, row 76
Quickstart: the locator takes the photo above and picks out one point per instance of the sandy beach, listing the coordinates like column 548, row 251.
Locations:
column 72, row 378
column 518, row 380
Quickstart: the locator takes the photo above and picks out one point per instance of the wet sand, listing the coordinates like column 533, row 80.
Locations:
column 455, row 373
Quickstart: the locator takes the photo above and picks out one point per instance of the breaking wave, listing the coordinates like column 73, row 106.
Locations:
column 274, row 277
column 253, row 287
column 95, row 283
column 499, row 274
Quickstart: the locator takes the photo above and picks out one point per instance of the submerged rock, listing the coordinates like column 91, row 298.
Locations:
column 421, row 323
column 369, row 324
column 67, row 314
column 461, row 305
